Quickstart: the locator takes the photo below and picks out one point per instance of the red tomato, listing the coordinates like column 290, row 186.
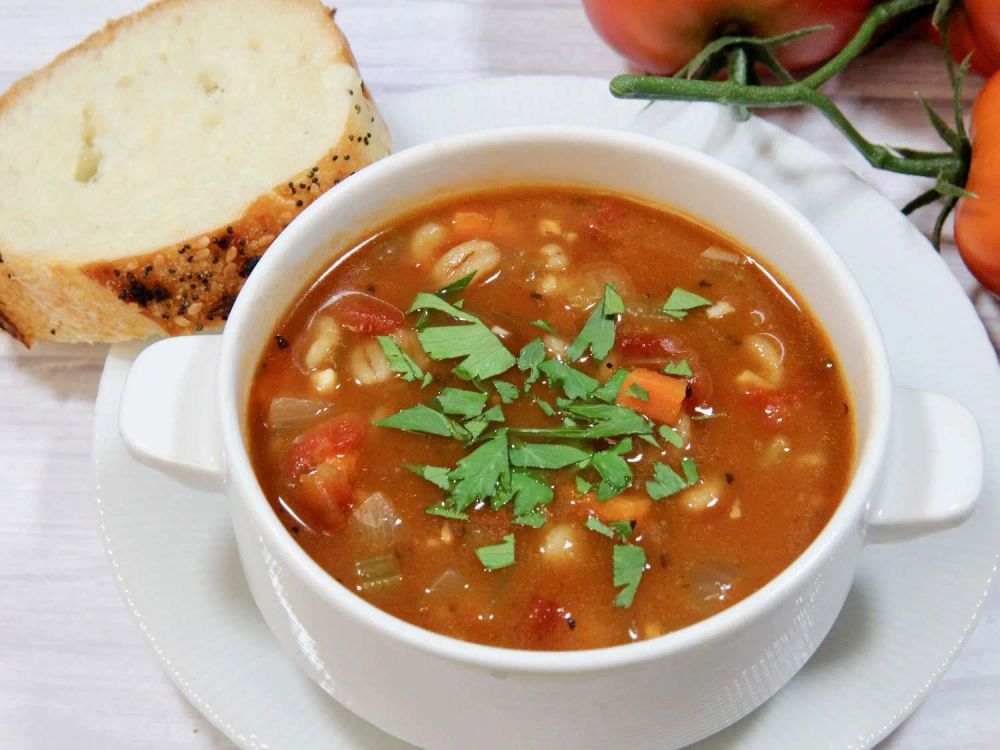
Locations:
column 363, row 313
column 325, row 496
column 977, row 223
column 974, row 27
column 660, row 36
column 543, row 617
column 774, row 404
column 332, row 438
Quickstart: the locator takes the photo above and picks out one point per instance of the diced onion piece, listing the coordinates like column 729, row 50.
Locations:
column 720, row 309
column 549, row 227
column 683, row 427
column 651, row 630
column 585, row 286
column 723, row 256
column 555, row 345
column 775, row 451
column 377, row 573
column 812, row 460
column 748, row 379
column 480, row 257
column 449, row 583
column 736, row 510
column 501, row 332
column 426, row 240
column 702, row 496
column 286, row 412
column 377, row 522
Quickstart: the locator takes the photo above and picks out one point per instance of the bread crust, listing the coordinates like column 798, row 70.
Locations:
column 189, row 286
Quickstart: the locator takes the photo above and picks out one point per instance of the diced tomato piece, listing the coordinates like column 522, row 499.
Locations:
column 605, row 219
column 664, row 395
column 775, row 404
column 363, row 313
column 543, row 616
column 467, row 225
column 334, row 437
column 325, row 495
column 650, row 346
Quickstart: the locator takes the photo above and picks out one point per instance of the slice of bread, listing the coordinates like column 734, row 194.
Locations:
column 143, row 172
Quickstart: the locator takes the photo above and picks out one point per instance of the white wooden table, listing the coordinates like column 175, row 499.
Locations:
column 74, row 672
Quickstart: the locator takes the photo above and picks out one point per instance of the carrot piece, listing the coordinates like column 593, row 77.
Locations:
column 470, row 224
column 665, row 395
column 621, row 508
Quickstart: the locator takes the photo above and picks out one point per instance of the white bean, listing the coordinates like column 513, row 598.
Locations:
column 369, row 364
column 549, row 227
column 767, row 354
column 547, row 284
column 326, row 339
column 554, row 345
column 324, row 381
column 427, row 240
column 775, row 451
column 560, row 542
column 702, row 496
column 475, row 256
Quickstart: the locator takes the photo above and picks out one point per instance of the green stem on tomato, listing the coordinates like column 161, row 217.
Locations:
column 734, row 93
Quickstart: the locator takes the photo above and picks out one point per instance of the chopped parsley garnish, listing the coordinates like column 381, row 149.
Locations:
column 477, row 475
column 456, row 287
column 462, row 403
column 607, row 420
column 667, row 482
column 598, row 332
column 444, row 511
column 575, row 384
column 690, row 470
column 421, row 418
column 671, row 435
column 629, row 565
column 531, row 356
column 545, row 406
column 616, row 475
column 508, row 392
column 582, row 485
column 401, row 362
column 545, row 326
column 484, row 354
column 637, row 391
column 546, row 455
column 535, row 519
column 622, row 529
column 437, row 475
column 610, row 390
column 529, row 493
column 425, row 302
column 681, row 369
column 496, row 556
column 681, row 301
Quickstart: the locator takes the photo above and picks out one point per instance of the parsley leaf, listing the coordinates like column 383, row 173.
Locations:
column 598, row 333
column 529, row 493
column 442, row 510
column 609, row 420
column 545, row 406
column 508, row 391
column 610, row 390
column 637, row 391
column 477, row 475
column 671, row 435
column 616, row 475
column 665, row 482
column 496, row 556
column 462, row 403
column 400, row 361
column 423, row 419
column 574, row 383
column 484, row 354
column 535, row 519
column 546, row 455
column 456, row 286
column 582, row 485
column 531, row 356
column 436, row 475
column 681, row 369
column 622, row 529
column 629, row 565
column 681, row 301
column 425, row 301
column 690, row 470
column 545, row 326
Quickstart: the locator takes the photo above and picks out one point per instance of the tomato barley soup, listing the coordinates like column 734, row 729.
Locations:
column 550, row 419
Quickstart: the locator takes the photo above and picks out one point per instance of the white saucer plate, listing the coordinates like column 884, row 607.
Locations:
column 912, row 605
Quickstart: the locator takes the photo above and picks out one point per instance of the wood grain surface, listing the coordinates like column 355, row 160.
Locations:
column 74, row 672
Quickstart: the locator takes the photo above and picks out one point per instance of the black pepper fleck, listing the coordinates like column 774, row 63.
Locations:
column 281, row 341
column 730, row 478
column 570, row 622
column 704, row 284
column 299, row 203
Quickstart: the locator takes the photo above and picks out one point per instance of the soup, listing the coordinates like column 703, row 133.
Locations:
column 550, row 419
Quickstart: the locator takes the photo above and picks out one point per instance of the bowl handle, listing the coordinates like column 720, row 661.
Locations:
column 168, row 416
column 933, row 468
